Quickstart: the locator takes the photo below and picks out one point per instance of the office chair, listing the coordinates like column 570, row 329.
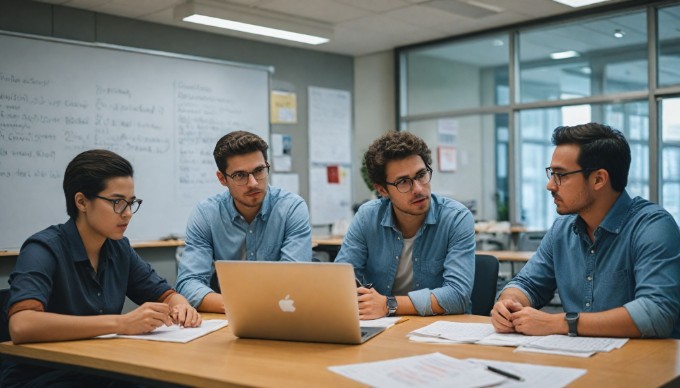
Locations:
column 484, row 287
column 4, row 323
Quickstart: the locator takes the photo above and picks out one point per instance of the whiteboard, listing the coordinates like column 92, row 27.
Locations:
column 330, row 155
column 162, row 112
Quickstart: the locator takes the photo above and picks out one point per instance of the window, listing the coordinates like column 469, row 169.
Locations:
column 670, row 156
column 669, row 46
column 585, row 58
column 455, row 76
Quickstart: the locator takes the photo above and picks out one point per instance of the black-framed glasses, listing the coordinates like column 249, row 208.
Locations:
column 119, row 205
column 404, row 185
column 241, row 177
column 557, row 176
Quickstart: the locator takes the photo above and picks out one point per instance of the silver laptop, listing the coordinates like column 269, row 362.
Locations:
column 313, row 302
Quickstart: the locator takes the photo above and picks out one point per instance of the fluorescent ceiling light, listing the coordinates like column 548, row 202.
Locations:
column 254, row 21
column 564, row 54
column 254, row 29
column 579, row 3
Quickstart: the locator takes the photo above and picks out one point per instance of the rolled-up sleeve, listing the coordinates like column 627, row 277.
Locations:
column 656, row 307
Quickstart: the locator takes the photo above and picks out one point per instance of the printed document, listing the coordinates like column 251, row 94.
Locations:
column 534, row 375
column 429, row 370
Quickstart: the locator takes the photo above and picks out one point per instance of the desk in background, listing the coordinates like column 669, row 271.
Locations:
column 220, row 359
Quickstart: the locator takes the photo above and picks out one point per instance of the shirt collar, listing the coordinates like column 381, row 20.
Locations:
column 388, row 218
column 265, row 209
column 615, row 218
column 76, row 246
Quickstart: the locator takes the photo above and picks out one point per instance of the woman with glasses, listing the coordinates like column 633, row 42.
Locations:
column 415, row 248
column 71, row 280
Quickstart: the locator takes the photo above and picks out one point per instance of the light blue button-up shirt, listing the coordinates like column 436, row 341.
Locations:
column 217, row 231
column 634, row 262
column 443, row 253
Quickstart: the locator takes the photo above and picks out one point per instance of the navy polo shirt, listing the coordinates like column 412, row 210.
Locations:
column 54, row 269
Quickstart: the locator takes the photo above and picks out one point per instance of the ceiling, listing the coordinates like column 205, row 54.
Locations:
column 360, row 26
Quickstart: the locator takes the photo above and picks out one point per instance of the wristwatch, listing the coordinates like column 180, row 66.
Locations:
column 572, row 321
column 391, row 306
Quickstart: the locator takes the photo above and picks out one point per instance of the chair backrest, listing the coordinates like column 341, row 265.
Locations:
column 529, row 241
column 4, row 324
column 484, row 287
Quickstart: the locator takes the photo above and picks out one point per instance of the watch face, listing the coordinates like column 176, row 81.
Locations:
column 571, row 316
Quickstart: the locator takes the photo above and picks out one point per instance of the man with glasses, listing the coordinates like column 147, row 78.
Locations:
column 250, row 221
column 615, row 260
column 413, row 251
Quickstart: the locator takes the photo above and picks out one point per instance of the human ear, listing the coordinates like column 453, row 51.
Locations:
column 221, row 178
column 81, row 202
column 382, row 190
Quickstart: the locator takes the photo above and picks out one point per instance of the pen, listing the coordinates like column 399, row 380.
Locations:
column 367, row 285
column 504, row 373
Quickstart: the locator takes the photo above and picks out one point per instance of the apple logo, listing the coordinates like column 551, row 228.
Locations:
column 286, row 304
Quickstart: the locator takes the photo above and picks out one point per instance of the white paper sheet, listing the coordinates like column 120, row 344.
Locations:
column 534, row 375
column 175, row 333
column 456, row 331
column 429, row 370
column 380, row 322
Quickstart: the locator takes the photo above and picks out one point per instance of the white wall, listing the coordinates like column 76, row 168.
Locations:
column 374, row 109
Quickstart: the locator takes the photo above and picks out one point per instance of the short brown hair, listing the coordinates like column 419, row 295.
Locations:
column 237, row 143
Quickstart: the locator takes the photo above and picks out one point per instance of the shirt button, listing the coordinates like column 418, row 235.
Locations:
column 251, row 231
column 398, row 238
column 416, row 259
column 592, row 251
column 396, row 257
column 589, row 278
column 587, row 304
column 251, row 253
column 99, row 294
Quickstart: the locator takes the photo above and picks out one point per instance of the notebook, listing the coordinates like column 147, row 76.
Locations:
column 294, row 301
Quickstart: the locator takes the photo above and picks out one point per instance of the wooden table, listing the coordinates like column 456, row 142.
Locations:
column 220, row 359
column 512, row 256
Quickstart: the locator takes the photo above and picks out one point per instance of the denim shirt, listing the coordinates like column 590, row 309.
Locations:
column 443, row 253
column 634, row 262
column 217, row 231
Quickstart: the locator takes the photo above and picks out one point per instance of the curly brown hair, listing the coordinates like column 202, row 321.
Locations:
column 393, row 145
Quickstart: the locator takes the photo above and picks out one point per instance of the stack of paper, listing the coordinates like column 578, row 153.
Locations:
column 484, row 334
column 572, row 346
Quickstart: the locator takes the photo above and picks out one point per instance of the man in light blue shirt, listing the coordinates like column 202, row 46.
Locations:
column 251, row 221
column 416, row 249
column 615, row 260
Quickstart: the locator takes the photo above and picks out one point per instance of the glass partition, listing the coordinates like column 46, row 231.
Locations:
column 463, row 75
column 669, row 46
column 670, row 156
column 585, row 58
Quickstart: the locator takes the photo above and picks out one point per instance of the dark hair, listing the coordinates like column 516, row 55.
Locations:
column 237, row 143
column 394, row 145
column 88, row 173
column 601, row 147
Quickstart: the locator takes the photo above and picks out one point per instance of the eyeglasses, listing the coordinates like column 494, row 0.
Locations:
column 557, row 176
column 241, row 177
column 404, row 185
column 119, row 205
